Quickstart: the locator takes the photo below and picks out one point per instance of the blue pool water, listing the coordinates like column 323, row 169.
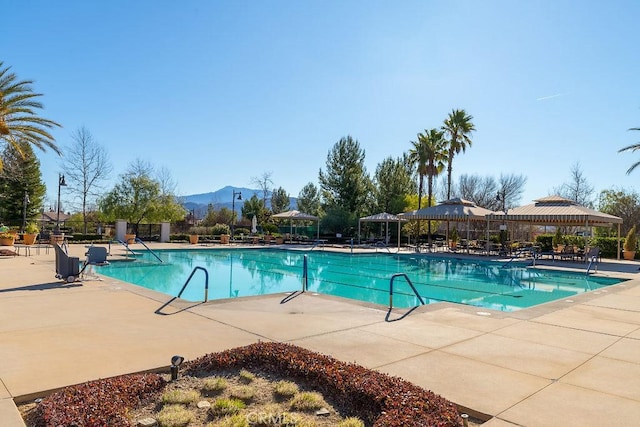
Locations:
column 365, row 277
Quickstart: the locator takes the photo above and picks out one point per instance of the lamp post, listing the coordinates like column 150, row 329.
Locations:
column 25, row 201
column 501, row 197
column 61, row 183
column 233, row 209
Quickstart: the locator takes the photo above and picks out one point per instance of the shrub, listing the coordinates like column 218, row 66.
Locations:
column 376, row 398
column 101, row 402
column 180, row 397
column 244, row 392
column 227, row 406
column 631, row 241
column 175, row 416
column 246, row 376
column 214, row 385
column 307, row 401
column 269, row 228
column 232, row 421
column 351, row 422
column 242, row 230
column 218, row 229
column 285, row 388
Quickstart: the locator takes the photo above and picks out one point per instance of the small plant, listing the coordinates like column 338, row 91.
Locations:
column 214, row 385
column 244, row 392
column 558, row 238
column 180, row 397
column 31, row 228
column 631, row 241
column 174, row 416
column 307, row 401
column 232, row 421
column 226, row 407
column 453, row 236
column 246, row 376
column 351, row 422
column 285, row 389
column 220, row 229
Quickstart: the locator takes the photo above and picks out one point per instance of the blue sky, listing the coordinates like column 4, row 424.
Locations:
column 219, row 92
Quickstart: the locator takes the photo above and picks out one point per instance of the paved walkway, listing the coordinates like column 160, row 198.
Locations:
column 572, row 362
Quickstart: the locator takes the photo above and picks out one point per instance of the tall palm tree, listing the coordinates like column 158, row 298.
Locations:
column 18, row 120
column 632, row 147
column 457, row 127
column 428, row 154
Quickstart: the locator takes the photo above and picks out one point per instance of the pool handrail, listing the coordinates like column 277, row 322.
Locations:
column 123, row 244
column 149, row 249
column 206, row 282
column 393, row 278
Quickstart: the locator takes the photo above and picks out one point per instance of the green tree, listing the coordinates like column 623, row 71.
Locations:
column 457, row 128
column 19, row 123
column 392, row 182
column 309, row 199
column 280, row 201
column 87, row 167
column 428, row 156
column 632, row 148
column 21, row 175
column 255, row 206
column 345, row 186
column 138, row 197
column 621, row 203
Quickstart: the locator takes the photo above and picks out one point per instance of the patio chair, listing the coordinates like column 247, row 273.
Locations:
column 568, row 252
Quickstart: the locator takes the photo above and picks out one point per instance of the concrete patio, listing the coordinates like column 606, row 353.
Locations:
column 571, row 362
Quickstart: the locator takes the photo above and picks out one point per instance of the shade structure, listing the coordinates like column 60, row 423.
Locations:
column 298, row 216
column 382, row 217
column 450, row 210
column 456, row 209
column 556, row 210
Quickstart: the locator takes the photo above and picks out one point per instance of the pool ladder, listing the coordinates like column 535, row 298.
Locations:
column 206, row 282
column 393, row 278
column 126, row 245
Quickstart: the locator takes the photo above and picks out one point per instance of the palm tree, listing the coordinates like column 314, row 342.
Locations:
column 457, row 127
column 632, row 147
column 18, row 120
column 428, row 154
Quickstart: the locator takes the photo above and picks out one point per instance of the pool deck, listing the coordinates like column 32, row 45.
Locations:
column 570, row 362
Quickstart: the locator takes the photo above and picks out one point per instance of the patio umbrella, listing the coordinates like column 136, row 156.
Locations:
column 254, row 225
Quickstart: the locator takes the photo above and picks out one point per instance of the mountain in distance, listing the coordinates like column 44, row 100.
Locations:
column 223, row 198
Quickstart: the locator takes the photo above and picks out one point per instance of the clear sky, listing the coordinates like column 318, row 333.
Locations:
column 222, row 91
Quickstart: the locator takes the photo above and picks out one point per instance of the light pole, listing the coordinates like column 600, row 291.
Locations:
column 25, row 201
column 233, row 209
column 61, row 183
column 501, row 197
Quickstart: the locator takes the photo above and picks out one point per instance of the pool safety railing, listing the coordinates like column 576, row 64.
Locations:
column 593, row 261
column 305, row 274
column 393, row 278
column 126, row 245
column 206, row 282
column 149, row 249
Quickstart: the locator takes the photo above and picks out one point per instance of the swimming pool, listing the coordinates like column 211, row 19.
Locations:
column 365, row 277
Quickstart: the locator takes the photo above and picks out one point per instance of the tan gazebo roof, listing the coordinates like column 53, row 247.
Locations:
column 557, row 210
column 450, row 210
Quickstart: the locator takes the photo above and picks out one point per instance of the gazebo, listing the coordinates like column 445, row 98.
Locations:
column 298, row 216
column 456, row 210
column 556, row 210
column 382, row 217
